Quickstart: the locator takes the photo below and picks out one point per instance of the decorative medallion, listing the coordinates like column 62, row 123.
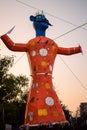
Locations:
column 42, row 112
column 33, row 53
column 49, row 101
column 43, row 52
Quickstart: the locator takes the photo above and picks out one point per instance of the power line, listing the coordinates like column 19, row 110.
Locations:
column 73, row 74
column 19, row 58
column 23, row 3
column 66, row 21
column 70, row 31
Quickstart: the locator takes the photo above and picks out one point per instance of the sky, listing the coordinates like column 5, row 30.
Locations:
column 70, row 72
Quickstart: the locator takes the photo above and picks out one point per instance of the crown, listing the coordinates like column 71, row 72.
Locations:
column 39, row 13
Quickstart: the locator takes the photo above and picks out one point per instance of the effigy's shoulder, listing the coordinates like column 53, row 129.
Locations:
column 41, row 39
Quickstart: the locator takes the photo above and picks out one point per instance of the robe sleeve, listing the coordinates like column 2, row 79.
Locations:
column 69, row 51
column 13, row 46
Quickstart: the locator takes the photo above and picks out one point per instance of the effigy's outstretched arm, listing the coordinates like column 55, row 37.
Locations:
column 69, row 51
column 13, row 46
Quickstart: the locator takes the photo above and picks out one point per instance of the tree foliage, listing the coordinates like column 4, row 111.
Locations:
column 11, row 87
column 67, row 112
column 13, row 94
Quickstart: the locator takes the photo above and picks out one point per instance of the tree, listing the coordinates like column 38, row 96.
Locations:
column 67, row 112
column 12, row 94
column 11, row 87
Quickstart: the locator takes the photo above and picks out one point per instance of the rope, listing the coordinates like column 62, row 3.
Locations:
column 70, row 31
column 74, row 74
column 66, row 21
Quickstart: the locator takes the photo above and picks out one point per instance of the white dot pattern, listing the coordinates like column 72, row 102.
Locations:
column 49, row 101
column 33, row 53
column 43, row 52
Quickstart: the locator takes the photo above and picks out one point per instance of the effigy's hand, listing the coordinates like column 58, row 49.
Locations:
column 80, row 48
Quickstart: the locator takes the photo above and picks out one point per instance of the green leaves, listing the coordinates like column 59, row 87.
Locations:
column 11, row 86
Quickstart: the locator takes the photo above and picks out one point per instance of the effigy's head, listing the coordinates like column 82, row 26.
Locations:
column 40, row 21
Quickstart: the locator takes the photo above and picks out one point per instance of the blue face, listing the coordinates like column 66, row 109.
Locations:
column 40, row 23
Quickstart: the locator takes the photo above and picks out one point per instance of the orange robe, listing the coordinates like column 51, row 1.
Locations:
column 43, row 105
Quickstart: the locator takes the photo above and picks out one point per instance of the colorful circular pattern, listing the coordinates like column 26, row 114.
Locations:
column 43, row 52
column 49, row 101
column 33, row 53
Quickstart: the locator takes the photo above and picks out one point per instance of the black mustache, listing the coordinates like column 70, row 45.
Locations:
column 45, row 20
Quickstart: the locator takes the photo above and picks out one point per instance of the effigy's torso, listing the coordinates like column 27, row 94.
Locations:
column 42, row 105
column 42, row 52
